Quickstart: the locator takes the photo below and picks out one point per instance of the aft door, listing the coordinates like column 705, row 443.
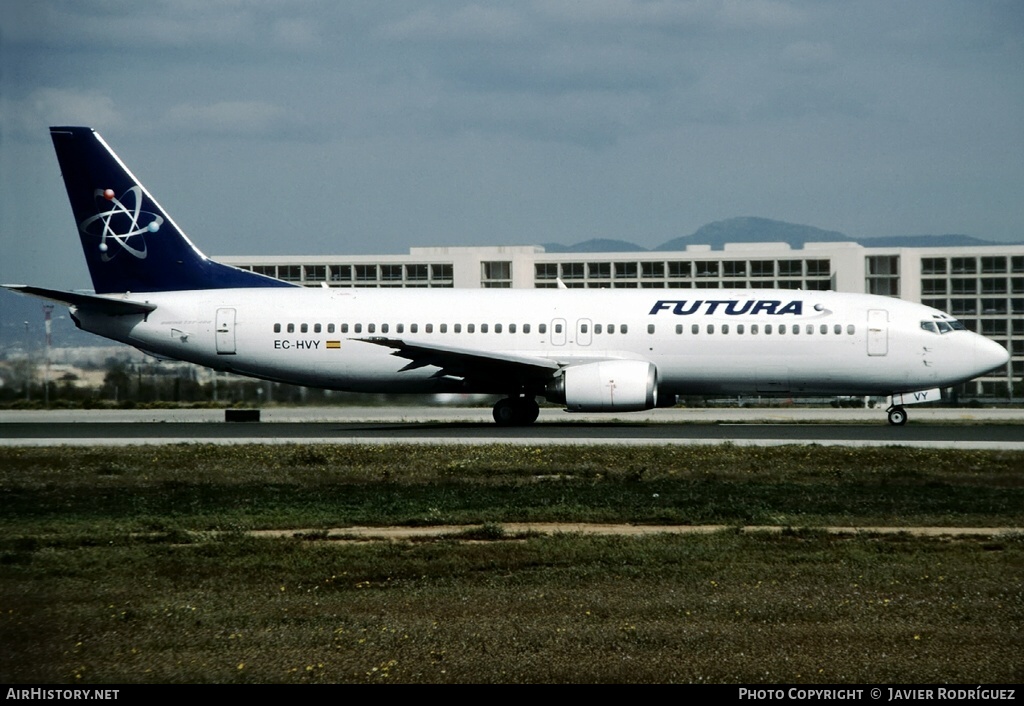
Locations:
column 878, row 332
column 225, row 331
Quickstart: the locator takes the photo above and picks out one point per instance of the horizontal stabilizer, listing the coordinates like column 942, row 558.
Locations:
column 85, row 302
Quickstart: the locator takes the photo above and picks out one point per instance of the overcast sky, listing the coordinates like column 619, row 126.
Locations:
column 323, row 127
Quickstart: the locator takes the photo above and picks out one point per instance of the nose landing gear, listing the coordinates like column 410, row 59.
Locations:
column 897, row 416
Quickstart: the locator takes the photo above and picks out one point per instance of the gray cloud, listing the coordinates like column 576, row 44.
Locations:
column 416, row 122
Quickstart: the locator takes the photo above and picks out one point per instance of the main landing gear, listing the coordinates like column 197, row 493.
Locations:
column 516, row 411
column 897, row 416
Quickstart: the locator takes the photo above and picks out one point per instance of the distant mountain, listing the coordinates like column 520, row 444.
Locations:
column 595, row 245
column 749, row 229
column 925, row 241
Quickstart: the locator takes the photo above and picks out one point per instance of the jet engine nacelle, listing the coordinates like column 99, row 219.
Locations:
column 607, row 386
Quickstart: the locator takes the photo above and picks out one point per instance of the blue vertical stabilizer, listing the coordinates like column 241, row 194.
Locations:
column 130, row 243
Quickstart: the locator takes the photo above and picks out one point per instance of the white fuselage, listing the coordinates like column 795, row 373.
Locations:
column 702, row 341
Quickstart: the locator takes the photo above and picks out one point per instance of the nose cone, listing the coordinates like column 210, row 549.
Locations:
column 988, row 355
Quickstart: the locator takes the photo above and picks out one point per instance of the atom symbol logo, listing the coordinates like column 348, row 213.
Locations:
column 121, row 224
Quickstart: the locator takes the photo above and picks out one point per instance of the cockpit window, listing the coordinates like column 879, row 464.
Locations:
column 942, row 325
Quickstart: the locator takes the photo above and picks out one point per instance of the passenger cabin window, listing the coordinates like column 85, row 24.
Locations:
column 330, row 328
column 470, row 328
column 371, row 328
column 483, row 328
column 277, row 328
column 304, row 328
column 384, row 328
column 623, row 328
column 543, row 328
column 458, row 328
column 429, row 328
column 497, row 328
column 650, row 328
column 344, row 328
column 414, row 328
column 291, row 328
column 526, row 328
column 359, row 328
column 558, row 328
column 444, row 328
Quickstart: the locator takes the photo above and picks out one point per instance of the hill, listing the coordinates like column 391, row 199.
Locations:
column 752, row 229
column 595, row 245
column 749, row 229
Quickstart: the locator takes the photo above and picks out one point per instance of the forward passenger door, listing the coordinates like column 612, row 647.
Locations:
column 878, row 332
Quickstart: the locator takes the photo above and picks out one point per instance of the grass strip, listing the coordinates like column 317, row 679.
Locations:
column 133, row 565
column 796, row 607
column 109, row 493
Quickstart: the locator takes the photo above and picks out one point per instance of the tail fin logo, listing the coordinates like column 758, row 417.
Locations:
column 124, row 223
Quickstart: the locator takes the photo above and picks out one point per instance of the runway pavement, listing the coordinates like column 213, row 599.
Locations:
column 929, row 427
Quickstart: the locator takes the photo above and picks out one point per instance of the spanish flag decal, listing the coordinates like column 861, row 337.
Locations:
column 334, row 344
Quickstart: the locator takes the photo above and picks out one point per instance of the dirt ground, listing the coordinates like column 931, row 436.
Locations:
column 514, row 530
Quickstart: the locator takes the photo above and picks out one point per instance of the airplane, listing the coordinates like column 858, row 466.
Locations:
column 593, row 350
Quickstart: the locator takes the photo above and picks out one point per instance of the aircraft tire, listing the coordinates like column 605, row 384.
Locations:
column 529, row 410
column 897, row 416
column 516, row 411
column 505, row 413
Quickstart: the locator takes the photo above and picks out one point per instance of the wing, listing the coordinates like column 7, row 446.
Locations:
column 484, row 369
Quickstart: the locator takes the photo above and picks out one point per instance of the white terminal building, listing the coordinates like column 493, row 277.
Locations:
column 982, row 286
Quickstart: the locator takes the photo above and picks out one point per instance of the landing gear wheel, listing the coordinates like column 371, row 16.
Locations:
column 897, row 416
column 505, row 413
column 529, row 409
column 516, row 411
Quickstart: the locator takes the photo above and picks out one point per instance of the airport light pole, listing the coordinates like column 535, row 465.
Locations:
column 47, row 315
